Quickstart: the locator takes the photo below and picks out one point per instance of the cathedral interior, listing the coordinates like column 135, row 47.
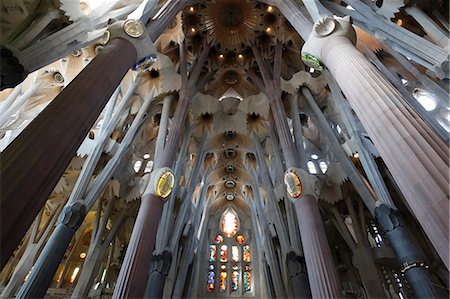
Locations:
column 224, row 149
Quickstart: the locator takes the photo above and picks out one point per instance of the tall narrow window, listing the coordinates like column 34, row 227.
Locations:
column 223, row 253
column 247, row 257
column 211, row 274
column 247, row 281
column 223, row 281
column 235, row 254
column 212, row 253
column 235, row 281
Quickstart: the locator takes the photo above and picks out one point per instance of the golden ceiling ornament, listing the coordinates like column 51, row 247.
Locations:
column 231, row 22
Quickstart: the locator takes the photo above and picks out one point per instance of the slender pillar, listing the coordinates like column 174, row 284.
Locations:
column 415, row 155
column 412, row 262
column 34, row 162
column 430, row 27
column 162, row 130
column 70, row 219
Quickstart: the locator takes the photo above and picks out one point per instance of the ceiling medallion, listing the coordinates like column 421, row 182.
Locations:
column 293, row 184
column 230, row 184
column 133, row 28
column 231, row 22
column 229, row 196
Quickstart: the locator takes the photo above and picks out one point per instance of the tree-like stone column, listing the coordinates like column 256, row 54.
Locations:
column 34, row 162
column 415, row 156
column 322, row 274
column 132, row 279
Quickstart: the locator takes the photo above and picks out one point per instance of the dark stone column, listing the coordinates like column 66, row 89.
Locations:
column 43, row 271
column 34, row 162
column 159, row 269
column 299, row 276
column 412, row 261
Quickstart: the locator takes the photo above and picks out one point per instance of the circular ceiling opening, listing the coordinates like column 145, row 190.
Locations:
column 230, row 153
column 230, row 184
column 229, row 168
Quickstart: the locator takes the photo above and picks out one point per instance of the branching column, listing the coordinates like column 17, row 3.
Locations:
column 133, row 273
column 323, row 277
column 414, row 154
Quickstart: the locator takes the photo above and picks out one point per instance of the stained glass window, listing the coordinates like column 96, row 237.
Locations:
column 247, row 281
column 218, row 239
column 246, row 254
column 210, row 287
column 240, row 239
column 234, row 280
column 234, row 254
column 223, row 253
column 223, row 281
column 229, row 268
column 229, row 223
column 212, row 253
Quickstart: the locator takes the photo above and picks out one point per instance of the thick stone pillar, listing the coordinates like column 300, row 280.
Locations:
column 413, row 263
column 322, row 274
column 157, row 275
column 416, row 157
column 34, row 162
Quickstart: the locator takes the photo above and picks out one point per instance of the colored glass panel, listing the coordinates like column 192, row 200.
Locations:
column 240, row 239
column 235, row 267
column 235, row 254
column 223, row 281
column 210, row 286
column 218, row 239
column 211, row 267
column 234, row 280
column 246, row 253
column 247, row 281
column 212, row 253
column 223, row 267
column 229, row 223
column 223, row 253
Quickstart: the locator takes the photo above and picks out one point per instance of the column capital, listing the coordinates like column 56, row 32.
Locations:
column 73, row 215
column 136, row 33
column 296, row 264
column 324, row 30
column 161, row 263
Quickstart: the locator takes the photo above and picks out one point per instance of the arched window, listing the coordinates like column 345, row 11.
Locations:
column 311, row 167
column 323, row 166
column 230, row 257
